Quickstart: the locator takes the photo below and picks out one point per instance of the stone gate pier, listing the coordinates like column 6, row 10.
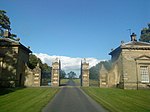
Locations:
column 56, row 69
column 84, row 73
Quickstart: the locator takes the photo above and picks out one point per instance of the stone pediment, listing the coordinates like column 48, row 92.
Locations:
column 143, row 57
column 136, row 43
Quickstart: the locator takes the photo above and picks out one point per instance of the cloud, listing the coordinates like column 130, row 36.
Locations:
column 67, row 63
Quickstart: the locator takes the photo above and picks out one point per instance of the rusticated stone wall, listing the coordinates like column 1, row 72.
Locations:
column 32, row 77
column 84, row 73
column 55, row 75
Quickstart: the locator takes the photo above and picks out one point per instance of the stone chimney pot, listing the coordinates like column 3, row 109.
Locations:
column 133, row 37
column 6, row 33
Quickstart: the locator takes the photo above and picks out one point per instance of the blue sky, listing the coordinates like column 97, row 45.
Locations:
column 76, row 28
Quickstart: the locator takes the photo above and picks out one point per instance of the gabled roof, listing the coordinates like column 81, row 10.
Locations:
column 10, row 43
column 132, row 45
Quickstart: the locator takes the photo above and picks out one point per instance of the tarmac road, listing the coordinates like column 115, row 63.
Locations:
column 71, row 83
column 72, row 99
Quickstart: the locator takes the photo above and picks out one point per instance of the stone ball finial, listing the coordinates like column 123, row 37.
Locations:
column 122, row 42
column 112, row 49
column 56, row 60
column 28, row 47
column 18, row 39
column 84, row 60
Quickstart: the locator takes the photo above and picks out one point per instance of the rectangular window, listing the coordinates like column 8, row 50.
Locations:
column 144, row 74
column 1, row 64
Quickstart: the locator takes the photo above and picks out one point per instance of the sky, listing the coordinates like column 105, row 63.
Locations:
column 76, row 29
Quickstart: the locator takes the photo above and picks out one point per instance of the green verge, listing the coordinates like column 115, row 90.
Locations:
column 26, row 99
column 64, row 81
column 77, row 81
column 94, row 83
column 118, row 100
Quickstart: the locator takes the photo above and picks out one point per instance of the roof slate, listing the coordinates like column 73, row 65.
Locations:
column 10, row 42
column 132, row 45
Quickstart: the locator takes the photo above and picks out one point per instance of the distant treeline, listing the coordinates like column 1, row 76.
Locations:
column 94, row 71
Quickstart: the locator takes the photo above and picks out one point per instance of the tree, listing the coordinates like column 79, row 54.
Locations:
column 145, row 34
column 62, row 74
column 94, row 71
column 46, row 73
column 4, row 20
column 46, row 68
column 71, row 75
column 33, row 61
column 5, row 25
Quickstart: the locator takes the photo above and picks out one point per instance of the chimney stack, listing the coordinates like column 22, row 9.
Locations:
column 6, row 33
column 133, row 37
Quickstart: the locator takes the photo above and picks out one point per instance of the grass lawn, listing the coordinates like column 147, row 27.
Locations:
column 94, row 82
column 26, row 99
column 63, row 81
column 77, row 81
column 118, row 100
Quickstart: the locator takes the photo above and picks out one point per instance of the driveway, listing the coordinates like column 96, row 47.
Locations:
column 72, row 99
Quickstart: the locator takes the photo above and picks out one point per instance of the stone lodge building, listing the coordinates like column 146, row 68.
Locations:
column 13, row 57
column 131, row 66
